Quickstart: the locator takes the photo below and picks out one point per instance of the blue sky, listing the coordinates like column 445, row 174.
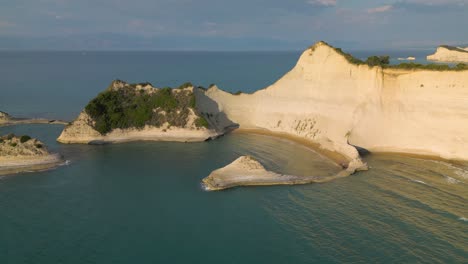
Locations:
column 230, row 25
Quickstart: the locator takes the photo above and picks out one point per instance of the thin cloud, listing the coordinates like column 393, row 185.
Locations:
column 6, row 24
column 322, row 2
column 380, row 9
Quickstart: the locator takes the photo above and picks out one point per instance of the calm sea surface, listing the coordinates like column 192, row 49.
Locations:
column 142, row 202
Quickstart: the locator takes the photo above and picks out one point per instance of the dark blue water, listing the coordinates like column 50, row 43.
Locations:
column 142, row 202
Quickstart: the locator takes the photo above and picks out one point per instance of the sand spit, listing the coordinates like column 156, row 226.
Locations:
column 13, row 165
column 7, row 120
column 20, row 121
column 246, row 171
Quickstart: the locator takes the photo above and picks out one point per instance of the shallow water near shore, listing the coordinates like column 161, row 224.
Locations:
column 142, row 202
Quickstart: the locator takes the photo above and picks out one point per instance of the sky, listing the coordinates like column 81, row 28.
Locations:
column 231, row 24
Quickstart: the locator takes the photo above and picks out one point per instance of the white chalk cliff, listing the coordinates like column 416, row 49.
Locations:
column 327, row 100
column 449, row 54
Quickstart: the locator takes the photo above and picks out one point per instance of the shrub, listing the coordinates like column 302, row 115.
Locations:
column 349, row 57
column 186, row 85
column 193, row 101
column 201, row 122
column 14, row 144
column 237, row 93
column 378, row 60
column 461, row 66
column 1, row 140
column 384, row 61
column 24, row 138
column 10, row 136
column 127, row 108
column 39, row 146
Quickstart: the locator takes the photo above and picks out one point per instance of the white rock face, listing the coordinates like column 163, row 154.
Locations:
column 449, row 54
column 4, row 116
column 327, row 100
column 246, row 171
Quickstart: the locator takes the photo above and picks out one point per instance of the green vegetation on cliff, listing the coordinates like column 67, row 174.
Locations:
column 384, row 62
column 129, row 107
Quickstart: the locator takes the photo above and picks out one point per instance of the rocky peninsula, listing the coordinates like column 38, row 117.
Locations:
column 449, row 54
column 338, row 102
column 20, row 154
column 130, row 112
column 8, row 120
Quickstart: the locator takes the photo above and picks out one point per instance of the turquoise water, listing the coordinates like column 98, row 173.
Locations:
column 142, row 202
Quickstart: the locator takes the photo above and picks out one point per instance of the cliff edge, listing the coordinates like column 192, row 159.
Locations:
column 449, row 54
column 331, row 99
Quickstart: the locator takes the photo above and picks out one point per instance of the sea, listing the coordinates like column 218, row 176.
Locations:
column 142, row 202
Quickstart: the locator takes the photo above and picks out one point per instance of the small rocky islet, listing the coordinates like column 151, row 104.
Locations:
column 23, row 153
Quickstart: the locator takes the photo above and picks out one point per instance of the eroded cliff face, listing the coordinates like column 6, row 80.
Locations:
column 330, row 101
column 4, row 117
column 449, row 54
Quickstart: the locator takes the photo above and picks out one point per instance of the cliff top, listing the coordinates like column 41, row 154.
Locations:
column 458, row 49
column 384, row 60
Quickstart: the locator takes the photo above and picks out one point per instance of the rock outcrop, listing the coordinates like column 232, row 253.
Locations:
column 18, row 154
column 4, row 117
column 329, row 100
column 130, row 112
column 246, row 171
column 449, row 54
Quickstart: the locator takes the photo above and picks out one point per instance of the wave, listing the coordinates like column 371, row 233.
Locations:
column 65, row 163
column 419, row 181
column 451, row 180
column 462, row 173
column 457, row 170
column 463, row 219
